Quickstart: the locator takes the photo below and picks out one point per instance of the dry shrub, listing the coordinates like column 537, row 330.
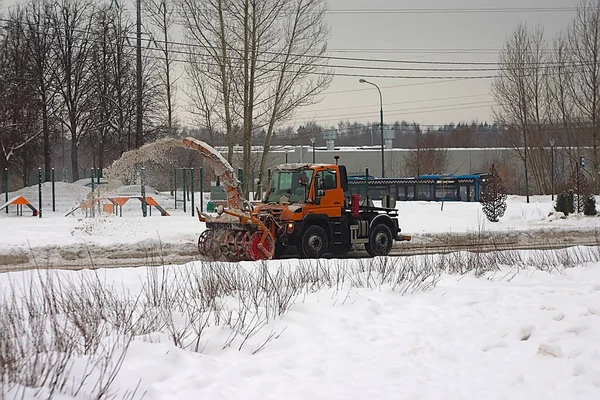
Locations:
column 53, row 321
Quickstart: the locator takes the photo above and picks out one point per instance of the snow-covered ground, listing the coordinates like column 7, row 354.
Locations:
column 527, row 328
column 459, row 217
column 511, row 334
column 532, row 338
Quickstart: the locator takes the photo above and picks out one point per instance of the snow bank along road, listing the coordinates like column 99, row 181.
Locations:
column 156, row 252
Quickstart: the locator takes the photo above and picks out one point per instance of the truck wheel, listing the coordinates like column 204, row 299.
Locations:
column 380, row 241
column 314, row 243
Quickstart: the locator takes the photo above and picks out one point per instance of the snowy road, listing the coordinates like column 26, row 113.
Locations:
column 78, row 242
column 152, row 253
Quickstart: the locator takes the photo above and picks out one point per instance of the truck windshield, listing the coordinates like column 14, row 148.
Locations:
column 287, row 183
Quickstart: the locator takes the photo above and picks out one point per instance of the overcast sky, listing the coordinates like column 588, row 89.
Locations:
column 418, row 36
column 423, row 37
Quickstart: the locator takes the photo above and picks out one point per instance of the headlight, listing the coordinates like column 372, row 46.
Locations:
column 289, row 227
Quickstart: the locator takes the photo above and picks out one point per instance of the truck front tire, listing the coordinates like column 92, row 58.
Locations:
column 314, row 242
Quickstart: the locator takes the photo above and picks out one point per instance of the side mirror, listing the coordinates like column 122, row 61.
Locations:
column 320, row 188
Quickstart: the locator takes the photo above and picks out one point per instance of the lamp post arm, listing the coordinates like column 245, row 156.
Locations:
column 380, row 125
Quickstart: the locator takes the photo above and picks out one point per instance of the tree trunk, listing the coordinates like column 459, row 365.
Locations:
column 47, row 149
column 25, row 168
column 167, row 71
column 225, row 86
column 525, row 160
column 74, row 157
column 247, row 135
column 101, row 148
column 595, row 166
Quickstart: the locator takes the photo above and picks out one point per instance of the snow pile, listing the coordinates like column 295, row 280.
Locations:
column 158, row 158
column 67, row 196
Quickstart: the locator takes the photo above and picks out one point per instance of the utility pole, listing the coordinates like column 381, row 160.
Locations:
column 138, row 127
column 552, row 164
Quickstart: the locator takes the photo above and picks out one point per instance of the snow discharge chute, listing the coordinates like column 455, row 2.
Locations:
column 223, row 170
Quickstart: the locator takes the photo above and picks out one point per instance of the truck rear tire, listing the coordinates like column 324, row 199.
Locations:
column 380, row 241
column 314, row 243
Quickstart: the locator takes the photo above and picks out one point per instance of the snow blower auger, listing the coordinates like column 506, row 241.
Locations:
column 237, row 233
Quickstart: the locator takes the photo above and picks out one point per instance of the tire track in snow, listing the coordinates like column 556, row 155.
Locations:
column 90, row 256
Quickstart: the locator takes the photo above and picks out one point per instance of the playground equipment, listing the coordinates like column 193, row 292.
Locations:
column 20, row 202
column 119, row 202
column 114, row 205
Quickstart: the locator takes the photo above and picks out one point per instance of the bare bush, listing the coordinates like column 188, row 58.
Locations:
column 53, row 321
column 45, row 331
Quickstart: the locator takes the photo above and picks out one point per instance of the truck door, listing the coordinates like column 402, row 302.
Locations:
column 329, row 193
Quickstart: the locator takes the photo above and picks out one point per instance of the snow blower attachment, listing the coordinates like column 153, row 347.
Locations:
column 236, row 233
column 305, row 209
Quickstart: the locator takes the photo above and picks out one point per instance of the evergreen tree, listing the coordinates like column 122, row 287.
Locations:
column 564, row 202
column 590, row 206
column 579, row 185
column 493, row 196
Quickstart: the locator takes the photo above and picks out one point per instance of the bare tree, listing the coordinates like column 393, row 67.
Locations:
column 73, row 20
column 538, row 74
column 18, row 106
column 123, row 73
column 207, row 29
column 300, row 74
column 40, row 40
column 428, row 156
column 203, row 106
column 562, row 113
column 261, row 61
column 102, row 67
column 161, row 14
column 584, row 45
column 153, row 98
column 518, row 91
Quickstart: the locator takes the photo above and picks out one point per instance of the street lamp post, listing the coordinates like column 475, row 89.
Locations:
column 552, row 166
column 380, row 124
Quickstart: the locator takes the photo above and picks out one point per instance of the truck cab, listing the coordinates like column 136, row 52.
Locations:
column 318, row 217
column 316, row 184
